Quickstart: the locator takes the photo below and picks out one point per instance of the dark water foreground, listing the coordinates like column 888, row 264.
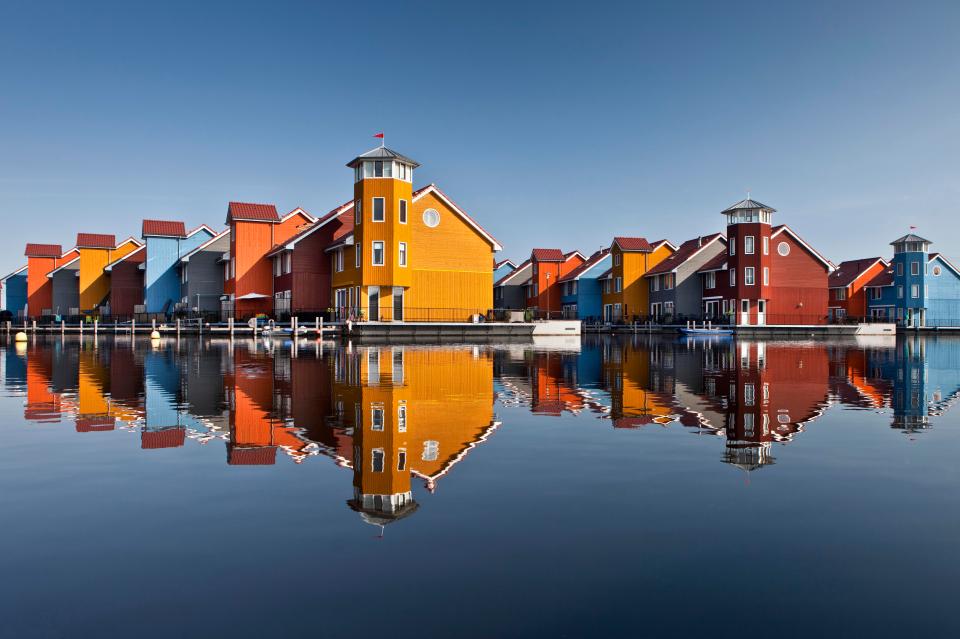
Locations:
column 625, row 487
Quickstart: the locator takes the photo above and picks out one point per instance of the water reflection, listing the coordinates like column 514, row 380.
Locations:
column 398, row 415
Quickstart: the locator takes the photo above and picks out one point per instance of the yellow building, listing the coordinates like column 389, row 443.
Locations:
column 413, row 255
column 96, row 251
column 625, row 292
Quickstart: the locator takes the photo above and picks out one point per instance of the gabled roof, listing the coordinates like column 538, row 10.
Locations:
column 501, row 263
column 16, row 272
column 346, row 240
column 69, row 265
column 247, row 212
column 591, row 262
column 163, row 228
column 716, row 263
column 96, row 240
column 381, row 153
column 205, row 245
column 315, row 226
column 434, row 189
column 850, row 271
column 606, row 275
column 687, row 251
column 299, row 211
column 136, row 255
column 910, row 237
column 517, row 272
column 943, row 258
column 748, row 204
column 633, row 244
column 883, row 278
column 777, row 230
column 43, row 250
column 547, row 255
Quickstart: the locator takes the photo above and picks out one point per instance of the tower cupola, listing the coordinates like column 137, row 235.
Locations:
column 382, row 162
column 750, row 212
column 911, row 243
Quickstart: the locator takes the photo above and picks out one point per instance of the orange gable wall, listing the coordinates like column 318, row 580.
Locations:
column 94, row 282
column 856, row 303
column 253, row 272
column 39, row 286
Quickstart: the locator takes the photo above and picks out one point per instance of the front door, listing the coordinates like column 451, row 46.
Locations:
column 397, row 304
column 745, row 312
column 373, row 303
column 761, row 312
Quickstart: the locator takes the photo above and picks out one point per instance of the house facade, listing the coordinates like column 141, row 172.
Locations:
column 13, row 290
column 41, row 259
column 503, row 268
column 96, row 252
column 676, row 290
column 626, row 294
column 413, row 255
column 548, row 267
column 166, row 242
column 510, row 291
column 65, row 282
column 302, row 271
column 203, row 272
column 848, row 292
column 581, row 296
column 918, row 289
column 126, row 283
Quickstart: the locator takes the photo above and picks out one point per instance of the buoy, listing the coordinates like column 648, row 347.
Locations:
column 155, row 335
column 20, row 337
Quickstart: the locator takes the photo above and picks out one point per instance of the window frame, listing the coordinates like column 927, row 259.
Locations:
column 402, row 254
column 402, row 209
column 373, row 253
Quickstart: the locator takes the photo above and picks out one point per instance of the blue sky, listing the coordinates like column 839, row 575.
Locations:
column 553, row 124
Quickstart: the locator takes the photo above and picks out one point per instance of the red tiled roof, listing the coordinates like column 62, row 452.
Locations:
column 94, row 424
column 164, row 228
column 497, row 265
column 716, row 264
column 263, row 456
column 633, row 243
column 43, row 250
column 310, row 227
column 687, row 250
column 96, row 240
column 591, row 261
column 883, row 278
column 252, row 212
column 166, row 438
column 547, row 255
column 848, row 272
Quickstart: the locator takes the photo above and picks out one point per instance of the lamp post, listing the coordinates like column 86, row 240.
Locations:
column 548, row 295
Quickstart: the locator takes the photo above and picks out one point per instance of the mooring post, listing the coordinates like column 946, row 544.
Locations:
column 96, row 327
column 133, row 326
column 34, row 326
column 178, row 328
column 63, row 327
column 230, row 325
column 81, row 327
column 153, row 324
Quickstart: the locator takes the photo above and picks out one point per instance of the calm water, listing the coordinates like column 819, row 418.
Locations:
column 622, row 487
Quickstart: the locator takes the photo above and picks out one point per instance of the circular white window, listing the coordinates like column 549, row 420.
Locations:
column 937, row 270
column 431, row 217
column 783, row 419
column 783, row 249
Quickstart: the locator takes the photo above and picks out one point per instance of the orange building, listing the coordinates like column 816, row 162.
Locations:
column 548, row 266
column 413, row 255
column 41, row 259
column 848, row 295
column 625, row 292
column 255, row 229
column 96, row 252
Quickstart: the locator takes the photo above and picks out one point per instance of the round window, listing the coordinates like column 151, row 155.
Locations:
column 431, row 217
column 937, row 270
column 783, row 249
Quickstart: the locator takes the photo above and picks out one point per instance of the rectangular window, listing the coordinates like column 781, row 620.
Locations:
column 733, row 277
column 377, row 460
column 378, row 215
column 357, row 256
column 403, row 211
column 376, row 418
column 899, row 268
column 766, row 276
column 841, row 294
column 368, row 169
column 619, row 284
column 900, row 292
column 616, row 259
column 733, row 246
column 915, row 291
column 378, row 253
column 766, row 245
column 654, row 283
column 378, row 169
column 183, row 274
column 373, row 367
column 339, row 255
column 276, row 265
column 748, row 276
column 402, row 456
column 402, row 254
column 287, row 262
column 573, row 287
column 748, row 245
column 668, row 281
column 402, row 418
column 914, row 268
column 358, row 213
column 711, row 279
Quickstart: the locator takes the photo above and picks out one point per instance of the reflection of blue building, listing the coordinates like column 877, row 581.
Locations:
column 13, row 292
column 161, row 389
column 925, row 381
column 580, row 289
column 166, row 243
column 919, row 289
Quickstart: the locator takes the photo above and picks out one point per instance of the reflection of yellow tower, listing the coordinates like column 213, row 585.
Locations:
column 383, row 193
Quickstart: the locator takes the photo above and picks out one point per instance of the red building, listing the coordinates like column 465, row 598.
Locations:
column 302, row 270
column 848, row 295
column 548, row 267
column 126, row 282
column 768, row 275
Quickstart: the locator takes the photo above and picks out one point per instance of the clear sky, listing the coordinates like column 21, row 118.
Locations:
column 554, row 124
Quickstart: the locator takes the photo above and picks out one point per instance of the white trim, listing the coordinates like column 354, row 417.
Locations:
column 297, row 211
column 830, row 266
column 8, row 276
column 586, row 270
column 343, row 208
column 373, row 209
column 383, row 252
column 946, row 262
column 197, row 249
column 109, row 267
column 406, row 214
column 432, row 188
column 62, row 266
column 517, row 271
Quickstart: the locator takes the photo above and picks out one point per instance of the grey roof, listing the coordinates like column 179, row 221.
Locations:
column 910, row 237
column 382, row 153
column 747, row 205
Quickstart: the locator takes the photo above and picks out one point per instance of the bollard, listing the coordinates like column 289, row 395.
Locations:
column 133, row 327
column 178, row 328
column 96, row 326
column 63, row 327
column 34, row 326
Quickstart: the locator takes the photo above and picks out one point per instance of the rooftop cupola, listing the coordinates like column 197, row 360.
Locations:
column 749, row 211
column 382, row 162
column 911, row 243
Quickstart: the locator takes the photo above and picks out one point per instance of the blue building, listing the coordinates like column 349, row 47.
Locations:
column 13, row 292
column 919, row 289
column 502, row 269
column 580, row 290
column 167, row 242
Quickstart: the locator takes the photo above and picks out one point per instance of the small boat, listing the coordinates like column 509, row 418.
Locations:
column 706, row 331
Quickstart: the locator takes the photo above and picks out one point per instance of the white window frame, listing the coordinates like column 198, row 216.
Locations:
column 619, row 285
column 357, row 256
column 766, row 276
column 402, row 254
column 277, row 271
column 339, row 260
column 766, row 245
column 383, row 210
column 376, row 425
column 733, row 276
column 749, row 276
column 358, row 213
column 287, row 262
column 373, row 252
column 914, row 291
column 914, row 268
column 748, row 245
column 402, row 208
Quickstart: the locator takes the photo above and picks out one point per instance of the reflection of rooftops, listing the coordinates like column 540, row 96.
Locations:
column 748, row 456
column 255, row 456
column 166, row 438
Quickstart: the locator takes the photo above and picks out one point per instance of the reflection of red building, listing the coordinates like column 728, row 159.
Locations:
column 43, row 405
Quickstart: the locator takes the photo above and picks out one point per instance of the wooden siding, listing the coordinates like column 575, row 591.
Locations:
column 310, row 278
column 94, row 281
column 798, row 286
column 635, row 296
column 126, row 286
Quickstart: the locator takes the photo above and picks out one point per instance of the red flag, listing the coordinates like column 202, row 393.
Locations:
column 913, row 228
column 378, row 135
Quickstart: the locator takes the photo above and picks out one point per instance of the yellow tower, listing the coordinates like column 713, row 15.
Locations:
column 383, row 193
